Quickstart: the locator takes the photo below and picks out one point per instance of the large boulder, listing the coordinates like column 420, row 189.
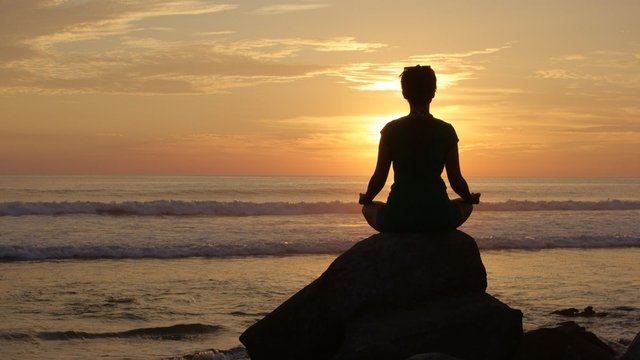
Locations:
column 383, row 274
column 470, row 327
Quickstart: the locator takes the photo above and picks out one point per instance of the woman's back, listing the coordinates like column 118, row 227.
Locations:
column 419, row 146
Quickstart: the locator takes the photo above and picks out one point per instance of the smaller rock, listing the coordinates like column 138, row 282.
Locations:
column 573, row 312
column 588, row 312
column 566, row 312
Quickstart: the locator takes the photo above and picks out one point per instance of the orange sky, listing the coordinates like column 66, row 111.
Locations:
column 533, row 88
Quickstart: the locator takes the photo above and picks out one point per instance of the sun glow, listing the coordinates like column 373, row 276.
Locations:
column 375, row 125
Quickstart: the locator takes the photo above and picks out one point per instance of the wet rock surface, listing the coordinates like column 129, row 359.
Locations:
column 566, row 341
column 388, row 297
column 573, row 312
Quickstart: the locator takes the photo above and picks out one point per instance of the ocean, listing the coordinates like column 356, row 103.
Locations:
column 143, row 267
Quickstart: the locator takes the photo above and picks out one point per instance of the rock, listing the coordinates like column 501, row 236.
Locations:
column 633, row 351
column 382, row 274
column 471, row 327
column 567, row 341
column 566, row 312
column 573, row 312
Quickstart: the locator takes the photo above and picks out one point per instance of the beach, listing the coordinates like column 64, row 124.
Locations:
column 160, row 267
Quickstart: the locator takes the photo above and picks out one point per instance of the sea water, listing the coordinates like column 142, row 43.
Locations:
column 155, row 267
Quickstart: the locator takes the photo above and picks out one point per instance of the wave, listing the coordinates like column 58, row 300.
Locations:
column 242, row 208
column 176, row 208
column 236, row 353
column 565, row 205
column 174, row 332
column 39, row 252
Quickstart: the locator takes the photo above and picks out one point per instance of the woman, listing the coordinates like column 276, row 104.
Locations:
column 419, row 146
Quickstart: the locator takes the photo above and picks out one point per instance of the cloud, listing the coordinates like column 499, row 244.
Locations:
column 278, row 9
column 450, row 68
column 150, row 65
column 565, row 74
column 283, row 48
column 47, row 23
column 176, row 69
column 215, row 33
column 569, row 57
column 180, row 71
column 56, row 46
column 122, row 20
column 600, row 69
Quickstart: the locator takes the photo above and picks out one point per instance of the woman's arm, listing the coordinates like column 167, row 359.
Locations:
column 380, row 174
column 457, row 182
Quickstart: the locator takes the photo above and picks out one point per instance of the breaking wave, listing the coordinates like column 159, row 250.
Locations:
column 89, row 252
column 242, row 208
column 174, row 332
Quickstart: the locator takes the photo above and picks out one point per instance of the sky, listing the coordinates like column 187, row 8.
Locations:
column 248, row 87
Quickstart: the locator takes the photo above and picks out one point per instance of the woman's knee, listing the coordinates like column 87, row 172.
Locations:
column 371, row 213
column 368, row 210
column 464, row 209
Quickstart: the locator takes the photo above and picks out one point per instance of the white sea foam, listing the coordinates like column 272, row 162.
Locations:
column 567, row 205
column 243, row 208
column 172, row 207
column 175, row 251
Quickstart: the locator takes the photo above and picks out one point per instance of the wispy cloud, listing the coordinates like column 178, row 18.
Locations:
column 181, row 70
column 451, row 68
column 277, row 9
column 119, row 18
column 597, row 68
column 565, row 74
column 100, row 46
column 282, row 48
column 569, row 57
column 47, row 23
column 139, row 65
column 215, row 33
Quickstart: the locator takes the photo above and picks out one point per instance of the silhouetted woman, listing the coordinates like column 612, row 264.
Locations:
column 419, row 146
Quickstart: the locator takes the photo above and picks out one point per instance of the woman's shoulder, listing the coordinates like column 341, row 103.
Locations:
column 442, row 122
column 394, row 124
column 408, row 122
column 447, row 129
column 445, row 126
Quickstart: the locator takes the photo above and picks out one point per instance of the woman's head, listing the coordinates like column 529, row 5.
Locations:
column 418, row 84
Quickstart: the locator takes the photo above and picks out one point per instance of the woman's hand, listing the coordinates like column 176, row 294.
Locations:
column 363, row 199
column 475, row 198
